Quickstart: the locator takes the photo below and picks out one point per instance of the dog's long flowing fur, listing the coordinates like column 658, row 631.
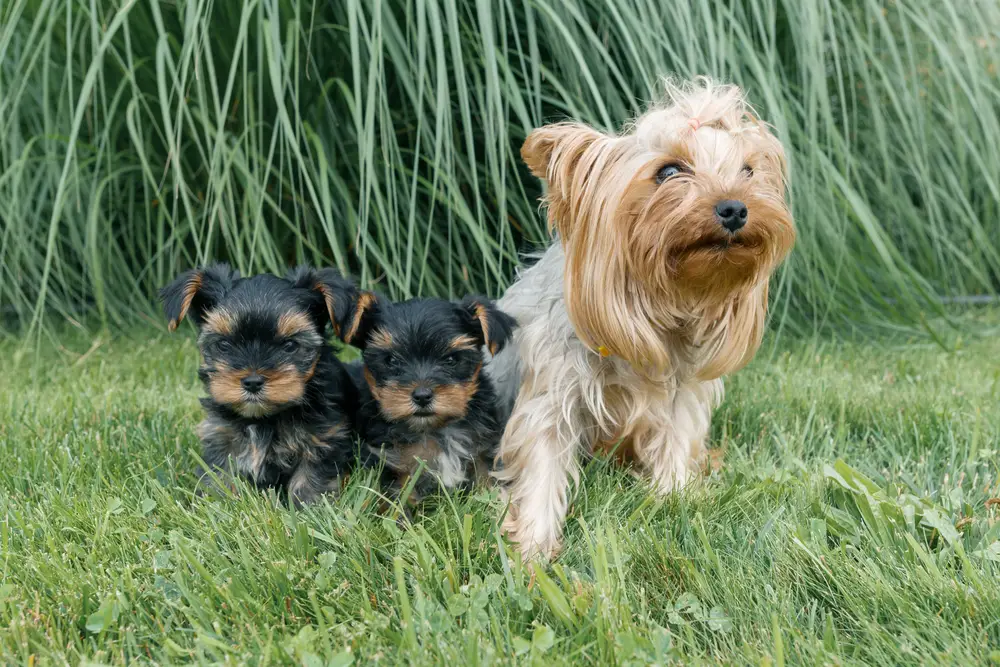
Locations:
column 629, row 320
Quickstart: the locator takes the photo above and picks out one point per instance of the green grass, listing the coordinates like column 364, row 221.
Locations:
column 139, row 138
column 849, row 524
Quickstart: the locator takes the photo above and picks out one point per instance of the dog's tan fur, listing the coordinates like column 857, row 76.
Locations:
column 628, row 322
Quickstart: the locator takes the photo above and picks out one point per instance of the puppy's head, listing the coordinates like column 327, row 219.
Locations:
column 676, row 224
column 260, row 337
column 423, row 357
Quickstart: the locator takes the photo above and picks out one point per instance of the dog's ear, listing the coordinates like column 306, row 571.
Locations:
column 363, row 314
column 195, row 292
column 567, row 156
column 337, row 300
column 489, row 325
column 553, row 150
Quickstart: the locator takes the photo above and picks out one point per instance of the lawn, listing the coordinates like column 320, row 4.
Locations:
column 849, row 521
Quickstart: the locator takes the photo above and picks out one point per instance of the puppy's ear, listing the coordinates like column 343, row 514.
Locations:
column 552, row 151
column 362, row 316
column 337, row 300
column 195, row 292
column 489, row 325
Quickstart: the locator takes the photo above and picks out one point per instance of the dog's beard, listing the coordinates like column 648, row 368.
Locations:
column 255, row 408
column 426, row 422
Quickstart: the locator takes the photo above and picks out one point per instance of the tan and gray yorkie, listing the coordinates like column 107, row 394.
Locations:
column 655, row 288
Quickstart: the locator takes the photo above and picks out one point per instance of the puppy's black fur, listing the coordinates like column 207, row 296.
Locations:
column 280, row 404
column 423, row 395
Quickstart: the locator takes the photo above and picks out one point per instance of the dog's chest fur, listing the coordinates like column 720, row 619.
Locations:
column 267, row 451
column 445, row 452
column 611, row 402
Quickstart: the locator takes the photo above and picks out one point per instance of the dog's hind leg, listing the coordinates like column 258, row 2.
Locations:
column 538, row 454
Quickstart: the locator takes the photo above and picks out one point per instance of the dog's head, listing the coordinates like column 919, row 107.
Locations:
column 423, row 357
column 674, row 226
column 260, row 337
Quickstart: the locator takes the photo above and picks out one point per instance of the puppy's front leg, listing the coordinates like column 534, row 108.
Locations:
column 538, row 455
column 310, row 481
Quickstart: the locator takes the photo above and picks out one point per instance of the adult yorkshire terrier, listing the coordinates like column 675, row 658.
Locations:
column 656, row 287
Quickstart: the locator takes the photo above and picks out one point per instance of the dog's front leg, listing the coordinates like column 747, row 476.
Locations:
column 538, row 454
column 671, row 446
column 311, row 480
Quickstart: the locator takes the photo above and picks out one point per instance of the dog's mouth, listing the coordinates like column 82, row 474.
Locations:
column 254, row 407
column 717, row 244
column 424, row 421
column 428, row 420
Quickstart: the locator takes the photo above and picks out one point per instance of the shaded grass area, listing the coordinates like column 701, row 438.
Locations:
column 851, row 522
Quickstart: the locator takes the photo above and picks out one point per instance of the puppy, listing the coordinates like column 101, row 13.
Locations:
column 655, row 288
column 279, row 402
column 423, row 397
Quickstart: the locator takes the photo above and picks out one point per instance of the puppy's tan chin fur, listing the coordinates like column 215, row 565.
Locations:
column 254, row 410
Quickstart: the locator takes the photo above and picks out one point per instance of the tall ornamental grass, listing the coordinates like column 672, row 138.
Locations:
column 138, row 138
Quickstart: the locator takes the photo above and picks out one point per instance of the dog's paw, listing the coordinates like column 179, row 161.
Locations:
column 530, row 545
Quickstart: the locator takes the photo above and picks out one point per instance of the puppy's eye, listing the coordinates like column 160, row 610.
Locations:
column 450, row 360
column 668, row 171
column 290, row 346
column 391, row 361
column 747, row 170
column 223, row 347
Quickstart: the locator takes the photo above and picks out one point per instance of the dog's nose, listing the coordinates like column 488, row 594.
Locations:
column 252, row 383
column 423, row 396
column 731, row 214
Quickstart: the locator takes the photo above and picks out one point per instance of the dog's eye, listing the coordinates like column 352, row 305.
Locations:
column 668, row 171
column 223, row 347
column 747, row 170
column 290, row 346
column 391, row 361
column 451, row 360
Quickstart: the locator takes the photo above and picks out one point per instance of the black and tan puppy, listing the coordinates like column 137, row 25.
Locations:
column 423, row 396
column 279, row 404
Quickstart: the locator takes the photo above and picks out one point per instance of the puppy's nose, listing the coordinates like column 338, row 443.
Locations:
column 253, row 383
column 423, row 396
column 731, row 214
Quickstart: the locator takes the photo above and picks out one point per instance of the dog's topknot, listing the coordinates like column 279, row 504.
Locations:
column 687, row 106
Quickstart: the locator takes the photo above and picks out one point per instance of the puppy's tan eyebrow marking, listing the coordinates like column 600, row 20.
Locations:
column 293, row 322
column 220, row 322
column 463, row 342
column 381, row 339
